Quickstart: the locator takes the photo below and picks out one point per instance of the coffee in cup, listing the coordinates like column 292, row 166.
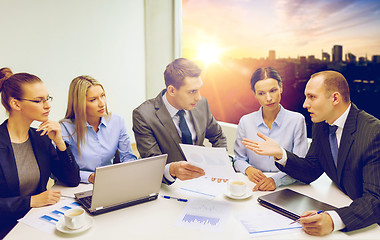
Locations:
column 237, row 188
column 75, row 218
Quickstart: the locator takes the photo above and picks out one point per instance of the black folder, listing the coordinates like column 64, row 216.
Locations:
column 292, row 204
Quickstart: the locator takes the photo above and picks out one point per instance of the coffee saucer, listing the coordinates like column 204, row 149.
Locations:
column 247, row 194
column 60, row 226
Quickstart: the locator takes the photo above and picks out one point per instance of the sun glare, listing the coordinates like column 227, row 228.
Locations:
column 208, row 53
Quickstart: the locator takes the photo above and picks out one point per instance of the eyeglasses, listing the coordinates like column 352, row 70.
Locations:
column 49, row 99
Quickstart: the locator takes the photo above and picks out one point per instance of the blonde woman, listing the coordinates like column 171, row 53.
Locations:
column 27, row 155
column 92, row 133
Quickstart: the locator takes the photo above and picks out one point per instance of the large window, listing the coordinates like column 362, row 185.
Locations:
column 229, row 39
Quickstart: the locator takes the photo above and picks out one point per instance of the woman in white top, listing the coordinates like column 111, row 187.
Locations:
column 286, row 127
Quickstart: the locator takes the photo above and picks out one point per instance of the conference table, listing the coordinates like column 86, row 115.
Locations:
column 156, row 219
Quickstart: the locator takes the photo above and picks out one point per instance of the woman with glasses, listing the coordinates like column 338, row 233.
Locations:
column 286, row 127
column 93, row 134
column 27, row 155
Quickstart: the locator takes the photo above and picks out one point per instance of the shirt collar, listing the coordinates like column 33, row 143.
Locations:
column 104, row 122
column 172, row 110
column 342, row 119
column 277, row 121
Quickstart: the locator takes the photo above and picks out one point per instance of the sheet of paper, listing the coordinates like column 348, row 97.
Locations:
column 45, row 220
column 204, row 214
column 267, row 222
column 205, row 186
column 214, row 161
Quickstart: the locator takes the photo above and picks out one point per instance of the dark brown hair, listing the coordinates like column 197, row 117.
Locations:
column 11, row 85
column 264, row 73
column 176, row 72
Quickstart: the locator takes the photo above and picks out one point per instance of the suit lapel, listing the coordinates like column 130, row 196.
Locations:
column 196, row 116
column 347, row 139
column 7, row 160
column 165, row 119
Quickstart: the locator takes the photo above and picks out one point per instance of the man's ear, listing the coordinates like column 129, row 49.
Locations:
column 171, row 90
column 337, row 98
column 15, row 104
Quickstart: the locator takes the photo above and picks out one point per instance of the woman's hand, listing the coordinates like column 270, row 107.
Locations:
column 91, row 178
column 266, row 184
column 254, row 175
column 53, row 131
column 49, row 197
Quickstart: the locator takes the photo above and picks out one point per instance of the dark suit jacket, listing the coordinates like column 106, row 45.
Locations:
column 156, row 133
column 61, row 164
column 358, row 168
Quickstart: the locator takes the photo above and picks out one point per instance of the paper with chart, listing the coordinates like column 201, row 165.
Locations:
column 205, row 214
column 214, row 161
column 207, row 187
column 267, row 222
column 46, row 220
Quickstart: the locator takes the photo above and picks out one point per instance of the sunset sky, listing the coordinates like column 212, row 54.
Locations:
column 250, row 28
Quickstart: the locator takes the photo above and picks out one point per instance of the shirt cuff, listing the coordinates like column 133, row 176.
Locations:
column 284, row 158
column 337, row 221
column 84, row 175
column 167, row 173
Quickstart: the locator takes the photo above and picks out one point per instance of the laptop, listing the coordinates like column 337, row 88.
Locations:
column 124, row 184
column 292, row 204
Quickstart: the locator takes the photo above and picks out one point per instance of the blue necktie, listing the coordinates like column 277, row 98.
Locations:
column 333, row 142
column 186, row 134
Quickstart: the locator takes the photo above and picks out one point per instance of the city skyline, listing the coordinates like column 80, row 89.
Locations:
column 243, row 28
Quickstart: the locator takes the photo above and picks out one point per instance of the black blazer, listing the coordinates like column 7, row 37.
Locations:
column 61, row 164
column 358, row 168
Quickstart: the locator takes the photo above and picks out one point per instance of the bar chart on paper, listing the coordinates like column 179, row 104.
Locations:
column 204, row 214
column 188, row 218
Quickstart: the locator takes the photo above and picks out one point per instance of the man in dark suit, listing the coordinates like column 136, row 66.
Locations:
column 159, row 125
column 345, row 145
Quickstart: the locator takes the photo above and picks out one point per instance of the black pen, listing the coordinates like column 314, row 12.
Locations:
column 320, row 211
column 178, row 199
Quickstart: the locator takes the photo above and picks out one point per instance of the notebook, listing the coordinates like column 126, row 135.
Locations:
column 125, row 184
column 291, row 203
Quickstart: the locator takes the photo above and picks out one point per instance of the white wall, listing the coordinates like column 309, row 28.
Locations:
column 159, row 35
column 59, row 40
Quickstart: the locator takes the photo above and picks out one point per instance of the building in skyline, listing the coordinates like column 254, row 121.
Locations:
column 272, row 55
column 350, row 58
column 337, row 53
column 325, row 56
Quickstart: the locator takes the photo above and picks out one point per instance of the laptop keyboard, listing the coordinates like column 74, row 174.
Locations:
column 87, row 201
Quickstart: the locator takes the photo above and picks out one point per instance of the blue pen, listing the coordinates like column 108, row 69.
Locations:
column 178, row 199
column 320, row 211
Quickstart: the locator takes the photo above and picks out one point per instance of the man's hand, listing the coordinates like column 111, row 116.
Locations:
column 48, row 197
column 317, row 225
column 185, row 171
column 254, row 175
column 268, row 147
column 266, row 184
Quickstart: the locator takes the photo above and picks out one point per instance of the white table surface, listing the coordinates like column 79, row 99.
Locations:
column 156, row 219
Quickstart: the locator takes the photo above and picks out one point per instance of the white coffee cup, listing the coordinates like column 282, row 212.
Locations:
column 75, row 218
column 237, row 188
